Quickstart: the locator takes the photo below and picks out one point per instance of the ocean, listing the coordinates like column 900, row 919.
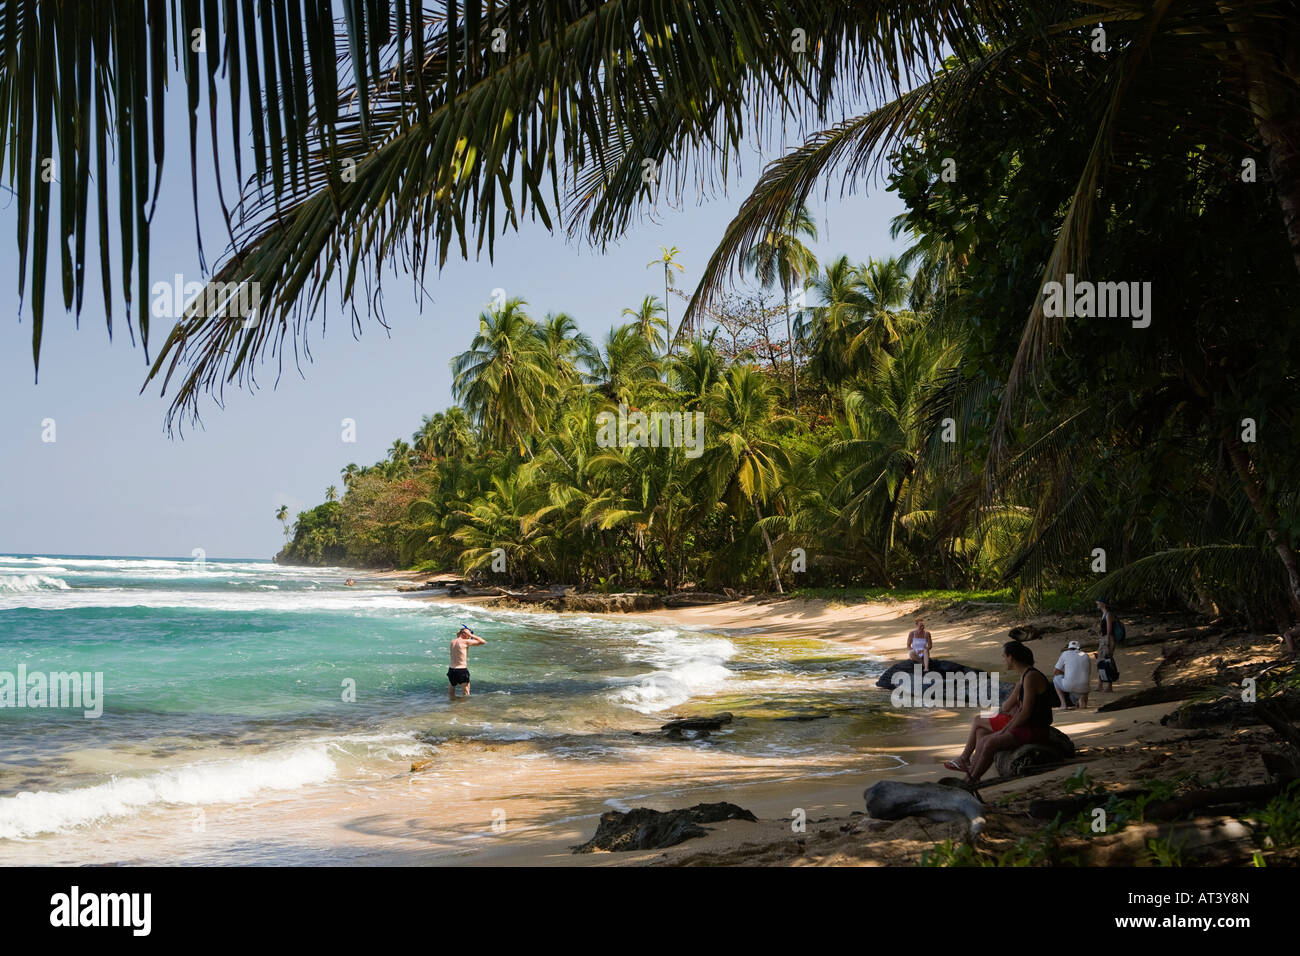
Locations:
column 249, row 709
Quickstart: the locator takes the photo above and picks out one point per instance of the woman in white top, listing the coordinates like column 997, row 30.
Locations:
column 919, row 643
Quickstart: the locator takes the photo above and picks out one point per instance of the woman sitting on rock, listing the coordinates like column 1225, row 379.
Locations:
column 1024, row 718
column 919, row 644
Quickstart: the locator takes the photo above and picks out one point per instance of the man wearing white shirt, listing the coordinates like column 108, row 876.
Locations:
column 1073, row 675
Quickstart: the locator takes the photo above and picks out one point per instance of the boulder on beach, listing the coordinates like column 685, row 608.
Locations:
column 886, row 680
column 940, row 667
column 1014, row 763
column 644, row 829
column 896, row 800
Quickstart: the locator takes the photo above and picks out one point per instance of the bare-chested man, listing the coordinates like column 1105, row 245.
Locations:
column 458, row 673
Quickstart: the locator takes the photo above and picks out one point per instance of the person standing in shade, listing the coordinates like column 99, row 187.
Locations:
column 1072, row 676
column 458, row 673
column 1107, row 669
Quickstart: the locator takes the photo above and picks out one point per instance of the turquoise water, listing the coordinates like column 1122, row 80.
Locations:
column 223, row 680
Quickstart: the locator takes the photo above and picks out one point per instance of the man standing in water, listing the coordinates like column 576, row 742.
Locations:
column 458, row 673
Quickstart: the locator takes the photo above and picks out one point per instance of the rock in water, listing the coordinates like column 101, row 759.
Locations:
column 895, row 800
column 643, row 829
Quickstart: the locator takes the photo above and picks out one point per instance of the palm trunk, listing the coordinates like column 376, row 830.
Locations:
column 1267, row 516
column 789, row 337
column 771, row 557
column 668, row 318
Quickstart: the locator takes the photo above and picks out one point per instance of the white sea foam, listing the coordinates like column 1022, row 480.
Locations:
column 685, row 665
column 21, row 583
column 29, row 813
column 216, row 600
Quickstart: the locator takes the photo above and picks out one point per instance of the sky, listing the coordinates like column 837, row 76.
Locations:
column 113, row 482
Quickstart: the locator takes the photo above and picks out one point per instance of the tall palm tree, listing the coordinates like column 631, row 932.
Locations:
column 282, row 516
column 781, row 258
column 668, row 259
column 743, row 461
column 503, row 380
column 331, row 493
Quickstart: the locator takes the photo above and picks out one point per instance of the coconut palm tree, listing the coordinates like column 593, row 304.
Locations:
column 626, row 364
column 649, row 318
column 331, row 493
column 505, row 377
column 781, row 258
column 282, row 516
column 566, row 347
column 742, row 462
column 836, row 321
column 668, row 259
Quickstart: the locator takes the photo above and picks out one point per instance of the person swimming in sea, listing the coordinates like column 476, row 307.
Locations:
column 458, row 673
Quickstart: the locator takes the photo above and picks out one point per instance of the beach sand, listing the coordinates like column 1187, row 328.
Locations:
column 1119, row 748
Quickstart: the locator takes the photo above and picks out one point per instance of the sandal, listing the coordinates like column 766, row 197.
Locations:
column 957, row 764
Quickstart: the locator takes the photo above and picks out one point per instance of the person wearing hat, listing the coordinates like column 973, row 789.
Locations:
column 1073, row 675
column 458, row 673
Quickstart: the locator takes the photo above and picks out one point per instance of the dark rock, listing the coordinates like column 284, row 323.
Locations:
column 677, row 729
column 886, row 680
column 896, row 800
column 803, row 717
column 643, row 829
column 1230, row 710
column 694, row 599
column 942, row 667
column 1016, row 763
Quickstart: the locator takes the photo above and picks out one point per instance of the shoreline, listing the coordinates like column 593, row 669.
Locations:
column 834, row 800
column 1116, row 750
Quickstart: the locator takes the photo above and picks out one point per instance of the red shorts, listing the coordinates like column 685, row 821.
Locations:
column 1025, row 735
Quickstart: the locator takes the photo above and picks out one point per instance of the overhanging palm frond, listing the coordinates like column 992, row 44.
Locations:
column 70, row 68
column 1233, row 572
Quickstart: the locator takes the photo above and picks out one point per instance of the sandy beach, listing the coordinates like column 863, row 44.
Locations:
column 1119, row 748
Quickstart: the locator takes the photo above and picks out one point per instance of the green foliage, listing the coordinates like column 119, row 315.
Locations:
column 317, row 537
column 1043, row 848
column 1278, row 824
column 1166, row 851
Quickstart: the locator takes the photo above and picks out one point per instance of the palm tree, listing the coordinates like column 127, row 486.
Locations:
column 779, row 257
column 282, row 516
column 886, row 434
column 743, row 461
column 565, row 347
column 886, row 288
column 626, row 364
column 350, row 474
column 837, row 320
column 331, row 493
column 503, row 380
column 668, row 259
column 650, row 317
